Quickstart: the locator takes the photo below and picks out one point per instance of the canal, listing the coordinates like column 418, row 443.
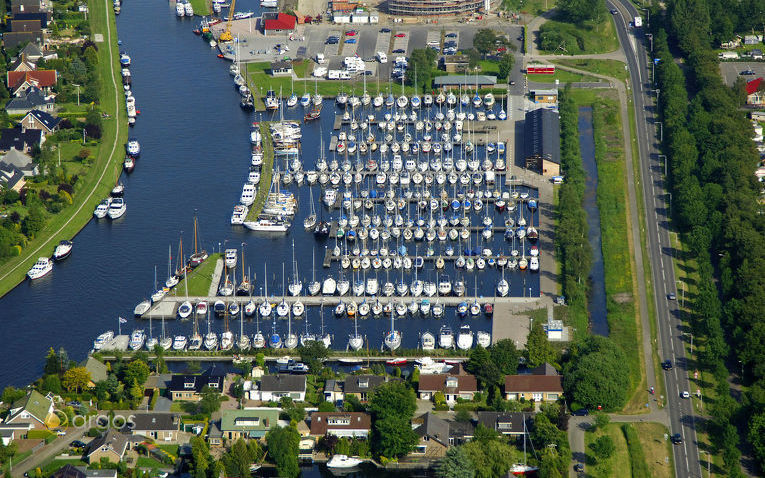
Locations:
column 596, row 305
column 195, row 154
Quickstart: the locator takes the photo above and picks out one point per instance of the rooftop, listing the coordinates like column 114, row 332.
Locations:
column 533, row 383
column 465, row 80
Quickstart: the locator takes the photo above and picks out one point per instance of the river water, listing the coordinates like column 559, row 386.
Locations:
column 596, row 305
column 195, row 155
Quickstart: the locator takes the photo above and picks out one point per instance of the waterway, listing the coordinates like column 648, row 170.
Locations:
column 195, row 155
column 597, row 290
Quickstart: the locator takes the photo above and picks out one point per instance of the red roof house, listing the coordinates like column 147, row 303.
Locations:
column 20, row 81
column 751, row 86
column 282, row 22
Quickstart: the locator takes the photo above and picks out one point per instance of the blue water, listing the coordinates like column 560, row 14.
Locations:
column 195, row 155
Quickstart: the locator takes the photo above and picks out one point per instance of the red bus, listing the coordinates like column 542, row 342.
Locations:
column 540, row 69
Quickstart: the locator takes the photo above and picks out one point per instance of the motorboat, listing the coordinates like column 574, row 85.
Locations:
column 124, row 59
column 103, row 208
column 180, row 11
column 230, row 258
column 117, row 208
column 103, row 339
column 63, row 250
column 201, row 309
column 343, row 461
column 185, row 309
column 483, row 339
column 137, row 339
column 142, row 308
column 133, row 148
column 128, row 164
column 180, row 342
column 40, row 269
column 445, row 337
column 188, row 9
column 427, row 341
column 465, row 338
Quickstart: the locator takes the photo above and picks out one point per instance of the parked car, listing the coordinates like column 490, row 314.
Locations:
column 579, row 468
column 666, row 365
column 671, row 296
column 451, row 35
column 400, row 35
column 512, row 82
column 399, row 50
column 582, row 412
column 685, row 394
column 351, row 33
column 613, row 11
column 385, row 30
column 501, row 49
column 77, row 444
column 677, row 439
column 350, row 40
column 748, row 72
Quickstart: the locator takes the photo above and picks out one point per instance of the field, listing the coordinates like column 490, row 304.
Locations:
column 562, row 76
column 612, row 68
column 531, row 7
column 199, row 279
column 638, row 447
column 619, row 461
column 104, row 167
column 201, row 7
column 570, row 39
column 657, row 452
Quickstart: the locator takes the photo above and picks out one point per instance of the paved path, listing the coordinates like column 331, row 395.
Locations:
column 29, row 255
column 47, row 452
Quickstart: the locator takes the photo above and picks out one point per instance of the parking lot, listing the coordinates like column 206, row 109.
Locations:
column 732, row 70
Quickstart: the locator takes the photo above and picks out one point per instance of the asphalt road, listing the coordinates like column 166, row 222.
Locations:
column 672, row 333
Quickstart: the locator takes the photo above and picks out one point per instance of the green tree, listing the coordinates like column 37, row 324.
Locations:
column 136, row 391
column 313, row 354
column 601, row 420
column 200, row 457
column 506, row 62
column 283, row 449
column 34, row 221
column 483, row 367
column 603, row 447
column 455, row 464
column 485, row 40
column 491, row 459
column 420, row 68
column 539, row 349
column 137, row 371
column 52, row 363
column 210, row 401
column 75, row 379
column 505, row 356
column 326, row 406
column 393, row 399
column 11, row 394
column 578, row 11
column 393, row 436
column 238, row 458
column 596, row 375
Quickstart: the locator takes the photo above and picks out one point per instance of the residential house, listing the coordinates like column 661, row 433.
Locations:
column 33, row 52
column 454, row 63
column 28, row 6
column 278, row 23
column 460, row 432
column 547, row 97
column 14, row 431
column 41, row 120
column 755, row 54
column 753, row 94
column 359, row 386
column 274, row 387
column 542, row 141
column 7, row 435
column 22, row 63
column 752, row 39
column 159, row 426
column 333, row 390
column 97, row 370
column 34, row 409
column 12, row 39
column 453, row 386
column 341, row 424
column 433, row 433
column 247, row 423
column 189, row 387
column 20, row 161
column 12, row 178
column 464, row 81
column 506, row 423
column 281, row 68
column 20, row 81
column 31, row 99
column 20, row 139
column 538, row 388
column 71, row 471
column 110, row 445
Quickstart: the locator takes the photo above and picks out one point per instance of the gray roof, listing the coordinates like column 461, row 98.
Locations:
column 542, row 135
column 6, row 432
column 544, row 369
column 508, row 423
column 282, row 383
column 30, row 100
column 332, row 385
column 97, row 369
column 363, row 383
column 464, row 80
column 432, row 427
column 49, row 121
column 155, row 421
column 10, row 176
column 104, row 473
column 17, row 158
column 31, row 50
column 113, row 439
column 281, row 65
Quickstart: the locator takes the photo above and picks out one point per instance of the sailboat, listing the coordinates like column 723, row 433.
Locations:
column 325, row 339
column 522, row 469
column 258, row 340
column 227, row 337
column 355, row 341
column 245, row 287
column 211, row 339
column 293, row 98
column 244, row 341
column 314, row 286
column 393, row 337
column 196, row 339
column 199, row 256
column 310, row 221
column 290, row 340
column 296, row 287
column 172, row 279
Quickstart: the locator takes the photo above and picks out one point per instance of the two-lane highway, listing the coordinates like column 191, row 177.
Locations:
column 671, row 335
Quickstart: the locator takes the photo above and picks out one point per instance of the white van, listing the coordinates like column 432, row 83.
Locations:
column 382, row 57
column 320, row 58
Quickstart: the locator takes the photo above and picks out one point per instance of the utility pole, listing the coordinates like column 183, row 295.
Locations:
column 78, row 93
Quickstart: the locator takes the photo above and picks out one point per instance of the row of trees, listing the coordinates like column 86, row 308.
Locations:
column 712, row 159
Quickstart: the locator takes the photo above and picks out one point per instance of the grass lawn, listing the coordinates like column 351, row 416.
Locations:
column 563, row 76
column 612, row 68
column 657, row 452
column 618, row 463
column 199, row 279
column 169, row 449
column 99, row 180
column 532, row 7
column 201, row 7
column 146, row 462
column 54, row 465
column 267, row 173
column 578, row 39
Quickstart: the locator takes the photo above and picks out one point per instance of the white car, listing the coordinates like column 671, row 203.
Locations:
column 685, row 394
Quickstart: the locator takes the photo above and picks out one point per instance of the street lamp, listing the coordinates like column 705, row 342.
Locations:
column 78, row 93
column 650, row 38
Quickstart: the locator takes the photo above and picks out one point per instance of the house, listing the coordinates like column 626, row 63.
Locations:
column 22, row 63
column 20, row 81
column 248, row 423
column 454, row 63
column 548, row 97
column 97, row 370
column 280, row 68
column 360, row 386
column 27, row 6
column 71, row 471
column 277, row 23
column 12, row 178
column 20, row 139
column 752, row 39
column 34, row 409
column 506, row 423
column 433, row 433
column 7, row 435
column 274, row 387
column 162, row 427
column 464, row 81
column 341, row 424
column 20, row 161
column 12, row 39
column 31, row 99
column 110, row 445
column 14, row 431
column 755, row 54
column 755, row 99
column 537, row 388
column 41, row 120
column 460, row 432
column 542, row 141
column 189, row 387
column 453, row 386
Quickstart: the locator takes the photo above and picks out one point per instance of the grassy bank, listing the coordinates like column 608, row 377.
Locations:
column 530, row 7
column 201, row 7
column 649, row 454
column 199, row 279
column 100, row 176
column 619, row 461
column 613, row 68
column 562, row 76
column 572, row 39
column 266, row 173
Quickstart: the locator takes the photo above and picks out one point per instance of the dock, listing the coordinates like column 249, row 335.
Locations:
column 216, row 277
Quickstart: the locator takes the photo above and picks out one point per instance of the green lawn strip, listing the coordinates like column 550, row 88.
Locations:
column 146, row 462
column 20, row 457
column 54, row 465
column 80, row 212
column 171, row 450
column 266, row 173
column 617, row 463
column 531, row 7
column 562, row 76
column 656, row 450
column 613, row 68
column 201, row 7
column 579, row 39
column 199, row 279
column 638, row 465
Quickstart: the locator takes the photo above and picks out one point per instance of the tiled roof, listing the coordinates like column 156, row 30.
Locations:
column 44, row 78
column 49, row 121
column 282, row 383
column 283, row 21
column 320, row 421
column 440, row 383
column 155, row 422
column 111, row 439
column 533, row 383
column 259, row 419
column 432, row 427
